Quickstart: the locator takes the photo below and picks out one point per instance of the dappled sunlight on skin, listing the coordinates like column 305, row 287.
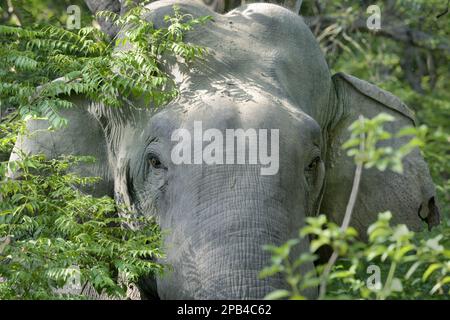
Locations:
column 191, row 200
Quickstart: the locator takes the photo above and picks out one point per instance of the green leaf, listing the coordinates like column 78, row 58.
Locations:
column 431, row 268
column 277, row 294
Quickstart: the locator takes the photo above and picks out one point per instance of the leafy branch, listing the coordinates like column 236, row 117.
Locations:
column 51, row 233
column 87, row 62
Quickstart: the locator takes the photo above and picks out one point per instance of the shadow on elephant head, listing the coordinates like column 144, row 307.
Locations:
column 264, row 70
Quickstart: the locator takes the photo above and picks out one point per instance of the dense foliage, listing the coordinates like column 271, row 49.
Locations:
column 51, row 233
column 395, row 263
column 41, row 62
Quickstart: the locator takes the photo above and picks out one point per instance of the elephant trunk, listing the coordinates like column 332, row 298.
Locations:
column 232, row 255
column 233, row 225
column 224, row 217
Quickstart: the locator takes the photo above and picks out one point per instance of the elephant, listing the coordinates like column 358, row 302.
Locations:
column 264, row 70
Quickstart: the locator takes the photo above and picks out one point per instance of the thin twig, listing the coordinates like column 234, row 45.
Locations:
column 444, row 12
column 353, row 195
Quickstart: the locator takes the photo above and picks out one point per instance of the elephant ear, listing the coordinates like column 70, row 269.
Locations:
column 83, row 136
column 409, row 196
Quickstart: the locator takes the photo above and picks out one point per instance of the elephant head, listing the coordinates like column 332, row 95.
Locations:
column 264, row 73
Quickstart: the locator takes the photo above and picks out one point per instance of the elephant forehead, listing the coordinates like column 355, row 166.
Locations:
column 258, row 109
column 260, row 43
column 222, row 112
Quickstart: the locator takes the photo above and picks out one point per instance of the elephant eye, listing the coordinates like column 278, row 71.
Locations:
column 154, row 161
column 313, row 165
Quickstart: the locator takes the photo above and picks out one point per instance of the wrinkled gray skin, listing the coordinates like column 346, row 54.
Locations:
column 264, row 70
